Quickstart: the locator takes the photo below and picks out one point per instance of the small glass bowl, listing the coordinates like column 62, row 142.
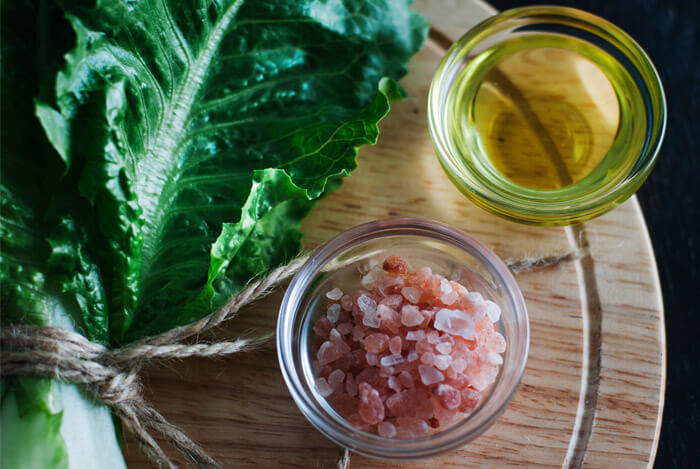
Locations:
column 338, row 263
column 576, row 202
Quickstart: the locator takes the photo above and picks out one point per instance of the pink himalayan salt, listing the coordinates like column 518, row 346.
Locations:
column 465, row 366
column 333, row 312
column 335, row 294
column 493, row 311
column 376, row 343
column 402, row 403
column 395, row 345
column 346, row 302
column 344, row 328
column 442, row 362
column 429, row 375
column 417, row 427
column 415, row 335
column 448, row 397
column 455, row 322
column 392, row 301
column 323, row 387
column 386, row 429
column 444, row 348
column 411, row 316
column 394, row 384
column 412, row 294
column 331, row 351
column 391, row 360
column 371, row 408
column 358, row 333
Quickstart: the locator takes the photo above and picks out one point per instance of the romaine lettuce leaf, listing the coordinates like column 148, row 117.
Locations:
column 170, row 108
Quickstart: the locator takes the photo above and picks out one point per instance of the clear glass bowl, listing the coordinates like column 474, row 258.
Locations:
column 631, row 155
column 447, row 251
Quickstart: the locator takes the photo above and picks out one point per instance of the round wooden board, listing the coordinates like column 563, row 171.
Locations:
column 592, row 393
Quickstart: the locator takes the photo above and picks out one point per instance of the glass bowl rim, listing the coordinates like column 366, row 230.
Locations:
column 288, row 314
column 576, row 209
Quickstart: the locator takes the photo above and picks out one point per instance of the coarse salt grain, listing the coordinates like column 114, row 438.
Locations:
column 415, row 335
column 391, row 360
column 333, row 312
column 334, row 294
column 323, row 387
column 429, row 375
column 411, row 316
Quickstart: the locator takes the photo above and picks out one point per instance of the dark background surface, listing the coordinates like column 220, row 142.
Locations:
column 670, row 199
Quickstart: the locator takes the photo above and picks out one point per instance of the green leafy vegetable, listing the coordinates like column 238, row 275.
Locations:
column 174, row 155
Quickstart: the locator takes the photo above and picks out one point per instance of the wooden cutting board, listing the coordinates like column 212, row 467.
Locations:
column 593, row 390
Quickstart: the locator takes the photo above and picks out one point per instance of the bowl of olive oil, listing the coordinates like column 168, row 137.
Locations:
column 547, row 115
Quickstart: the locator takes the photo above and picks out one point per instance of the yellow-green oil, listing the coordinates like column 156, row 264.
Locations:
column 547, row 112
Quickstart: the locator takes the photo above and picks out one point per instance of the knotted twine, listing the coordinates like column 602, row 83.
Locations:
column 112, row 376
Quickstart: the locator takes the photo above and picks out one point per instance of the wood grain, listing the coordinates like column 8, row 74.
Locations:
column 240, row 411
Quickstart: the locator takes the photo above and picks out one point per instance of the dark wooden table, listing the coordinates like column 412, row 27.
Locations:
column 668, row 31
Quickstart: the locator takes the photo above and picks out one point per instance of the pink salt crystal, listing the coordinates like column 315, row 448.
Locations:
column 325, row 371
column 370, row 279
column 406, row 380
column 371, row 408
column 445, row 286
column 473, row 302
column 346, row 302
column 424, row 409
column 335, row 335
column 323, row 387
column 327, row 353
column 435, row 283
column 344, row 328
column 455, row 322
column 372, row 359
column 411, row 316
column 443, row 415
column 403, row 433
column 358, row 332
column 470, row 399
column 376, row 343
column 391, row 360
column 444, row 347
column 386, row 371
column 389, row 318
column 334, row 294
column 427, row 358
column 418, row 427
column 442, row 362
column 358, row 422
column 412, row 356
column 424, row 346
column 415, row 335
column 394, row 383
column 494, row 358
column 448, row 397
column 333, row 312
column 322, row 327
column 386, row 429
column 350, row 385
column 459, row 288
column 396, row 265
column 429, row 375
column 345, row 362
column 459, row 365
column 412, row 294
column 449, row 298
column 335, row 380
column 395, row 345
column 496, row 343
column 402, row 403
column 372, row 320
column 493, row 311
column 392, row 301
column 433, row 337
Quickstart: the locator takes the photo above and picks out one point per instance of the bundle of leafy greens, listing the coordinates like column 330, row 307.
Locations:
column 156, row 155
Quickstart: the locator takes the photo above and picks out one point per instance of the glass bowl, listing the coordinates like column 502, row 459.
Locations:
column 620, row 171
column 447, row 251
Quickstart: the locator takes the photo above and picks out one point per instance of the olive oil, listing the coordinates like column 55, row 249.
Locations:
column 545, row 112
